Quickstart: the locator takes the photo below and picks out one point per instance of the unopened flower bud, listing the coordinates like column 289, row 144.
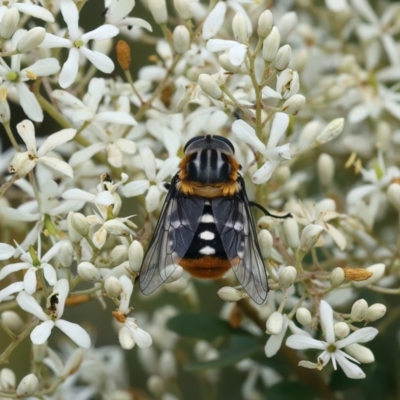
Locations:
column 31, row 39
column 341, row 330
column 181, row 39
column 27, row 386
column 265, row 22
column 377, row 270
column 119, row 254
column 177, row 272
column 360, row 353
column 226, row 63
column 239, row 28
column 66, row 254
column 283, row 57
column 331, row 131
column 73, row 363
column 309, row 134
column 12, row 321
column 265, row 241
column 228, row 293
column 74, row 235
column 116, row 227
column 393, row 194
column 337, row 276
column 167, row 365
column 275, row 323
column 271, row 45
column 88, row 272
column 183, row 8
column 294, row 104
column 9, row 23
column 123, row 54
column 374, row 312
column 113, row 287
column 309, row 236
column 326, row 169
column 135, row 256
column 80, row 224
column 209, row 86
column 155, row 383
column 287, row 276
column 303, row 316
column 287, row 23
column 7, row 380
column 291, row 229
column 282, row 174
column 158, row 9
column 358, row 310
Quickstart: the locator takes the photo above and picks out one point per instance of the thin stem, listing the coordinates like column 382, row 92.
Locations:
column 11, row 136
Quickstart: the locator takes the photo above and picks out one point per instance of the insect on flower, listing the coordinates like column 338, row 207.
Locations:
column 206, row 225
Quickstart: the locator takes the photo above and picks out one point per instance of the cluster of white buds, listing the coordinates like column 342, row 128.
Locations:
column 360, row 311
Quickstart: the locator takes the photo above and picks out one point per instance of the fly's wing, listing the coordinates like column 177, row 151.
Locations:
column 178, row 222
column 235, row 225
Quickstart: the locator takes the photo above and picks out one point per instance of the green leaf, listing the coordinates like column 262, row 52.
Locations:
column 201, row 326
column 290, row 390
column 239, row 347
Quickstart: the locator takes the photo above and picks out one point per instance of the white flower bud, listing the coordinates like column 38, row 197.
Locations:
column 337, row 276
column 283, row 57
column 177, row 286
column 181, row 39
column 22, row 163
column 239, row 28
column 309, row 236
column 116, row 227
column 360, row 353
column 287, row 276
column 5, row 113
column 287, row 23
column 66, row 254
column 135, row 256
column 265, row 241
column 326, row 169
column 341, row 330
column 27, row 386
column 183, row 8
column 393, row 194
column 74, row 235
column 209, row 86
column 12, row 320
column 271, row 45
column 303, row 316
column 226, row 63
column 358, row 310
column 119, row 254
column 291, row 229
column 31, row 39
column 175, row 275
column 7, row 380
column 73, row 363
column 294, row 104
column 158, row 9
column 80, row 224
column 265, row 22
column 378, row 270
column 155, row 383
column 282, row 174
column 308, row 134
column 113, row 286
column 9, row 23
column 331, row 131
column 275, row 323
column 167, row 365
column 374, row 312
column 88, row 272
column 230, row 294
column 39, row 352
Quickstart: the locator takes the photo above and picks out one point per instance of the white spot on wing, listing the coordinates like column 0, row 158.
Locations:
column 207, row 218
column 207, row 250
column 207, row 235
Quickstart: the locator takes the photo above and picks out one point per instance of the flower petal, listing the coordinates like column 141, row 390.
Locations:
column 48, row 66
column 70, row 14
column 102, row 62
column 27, row 132
column 75, row 332
column 61, row 288
column 6, row 252
column 279, row 126
column 35, row 11
column 8, row 269
column 55, row 140
column 58, row 165
column 135, row 188
column 326, row 315
column 214, row 45
column 11, row 289
column 116, row 117
column 103, row 32
column 29, row 304
column 302, row 342
column 85, row 154
column 247, row 133
column 125, row 337
column 29, row 103
column 119, row 9
column 351, row 370
column 363, row 335
column 30, row 281
column 42, row 332
column 237, row 54
column 49, row 274
column 214, row 20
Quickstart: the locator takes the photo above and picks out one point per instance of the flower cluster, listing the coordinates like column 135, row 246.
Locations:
column 308, row 95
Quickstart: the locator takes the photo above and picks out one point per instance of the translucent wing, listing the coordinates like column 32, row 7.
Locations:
column 178, row 222
column 236, row 227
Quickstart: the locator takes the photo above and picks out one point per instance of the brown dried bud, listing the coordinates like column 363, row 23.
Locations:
column 357, row 274
column 235, row 317
column 119, row 316
column 123, row 54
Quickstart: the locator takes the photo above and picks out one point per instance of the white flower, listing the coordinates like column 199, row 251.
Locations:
column 57, row 302
column 272, row 153
column 24, row 162
column 27, row 8
column 15, row 77
column 77, row 44
column 331, row 347
column 129, row 334
column 236, row 53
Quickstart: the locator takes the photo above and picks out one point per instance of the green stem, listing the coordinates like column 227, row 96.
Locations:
column 11, row 136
